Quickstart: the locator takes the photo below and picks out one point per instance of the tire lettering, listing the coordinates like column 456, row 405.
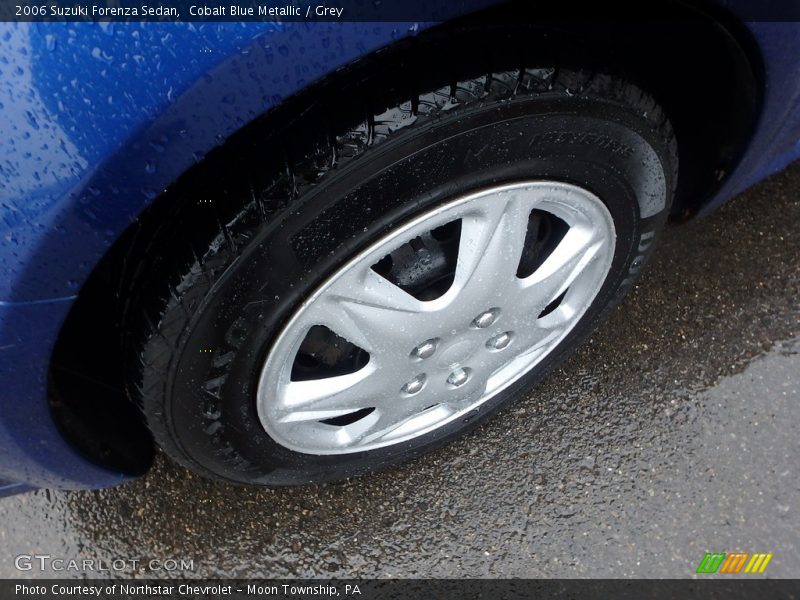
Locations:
column 590, row 139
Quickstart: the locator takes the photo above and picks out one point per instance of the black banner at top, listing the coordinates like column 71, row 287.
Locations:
column 360, row 10
column 232, row 10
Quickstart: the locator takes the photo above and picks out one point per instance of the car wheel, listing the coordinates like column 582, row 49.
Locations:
column 451, row 251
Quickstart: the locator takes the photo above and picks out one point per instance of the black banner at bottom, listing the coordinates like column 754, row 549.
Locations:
column 435, row 589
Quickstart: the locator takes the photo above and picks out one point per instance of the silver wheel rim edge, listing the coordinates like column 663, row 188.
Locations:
column 412, row 396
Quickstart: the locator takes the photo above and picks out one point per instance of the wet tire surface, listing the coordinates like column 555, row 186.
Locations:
column 670, row 434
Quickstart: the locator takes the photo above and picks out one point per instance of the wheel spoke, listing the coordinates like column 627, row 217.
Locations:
column 568, row 260
column 492, row 240
column 368, row 311
column 368, row 288
column 393, row 424
column 330, row 397
column 536, row 336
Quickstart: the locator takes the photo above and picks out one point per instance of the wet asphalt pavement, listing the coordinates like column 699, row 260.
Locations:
column 672, row 433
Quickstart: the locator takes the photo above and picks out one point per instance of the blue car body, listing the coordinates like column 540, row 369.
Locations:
column 97, row 119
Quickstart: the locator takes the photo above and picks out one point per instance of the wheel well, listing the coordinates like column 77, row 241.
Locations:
column 699, row 63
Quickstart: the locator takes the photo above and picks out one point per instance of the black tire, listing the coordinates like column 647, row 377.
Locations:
column 216, row 289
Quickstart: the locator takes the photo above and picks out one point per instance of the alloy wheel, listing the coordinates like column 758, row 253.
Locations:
column 435, row 318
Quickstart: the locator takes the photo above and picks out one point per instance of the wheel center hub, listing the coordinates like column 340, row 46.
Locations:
column 456, row 354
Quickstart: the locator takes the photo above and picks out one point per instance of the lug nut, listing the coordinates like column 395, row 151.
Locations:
column 458, row 377
column 424, row 350
column 485, row 319
column 499, row 341
column 415, row 385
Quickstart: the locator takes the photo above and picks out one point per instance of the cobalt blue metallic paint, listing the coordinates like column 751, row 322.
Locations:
column 776, row 142
column 98, row 119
